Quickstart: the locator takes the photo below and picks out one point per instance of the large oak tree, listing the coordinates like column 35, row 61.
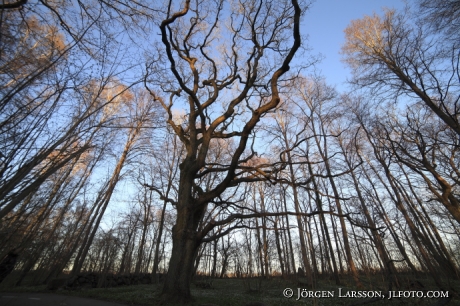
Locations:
column 223, row 66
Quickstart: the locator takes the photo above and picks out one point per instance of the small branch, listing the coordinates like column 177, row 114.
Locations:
column 13, row 5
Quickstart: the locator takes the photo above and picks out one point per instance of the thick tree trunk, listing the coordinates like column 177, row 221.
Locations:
column 185, row 243
column 181, row 265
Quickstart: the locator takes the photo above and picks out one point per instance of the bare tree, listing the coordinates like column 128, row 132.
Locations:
column 207, row 79
column 315, row 94
column 392, row 55
column 441, row 15
column 51, row 110
column 289, row 130
column 139, row 111
column 161, row 173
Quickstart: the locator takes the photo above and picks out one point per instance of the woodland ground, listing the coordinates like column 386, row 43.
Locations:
column 240, row 292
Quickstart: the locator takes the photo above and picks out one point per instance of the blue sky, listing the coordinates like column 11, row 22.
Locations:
column 324, row 23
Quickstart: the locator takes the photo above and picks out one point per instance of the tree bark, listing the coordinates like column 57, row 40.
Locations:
column 184, row 250
column 278, row 246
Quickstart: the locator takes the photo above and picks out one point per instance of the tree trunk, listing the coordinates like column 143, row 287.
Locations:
column 389, row 265
column 325, row 157
column 303, row 244
column 278, row 246
column 214, row 259
column 328, row 245
column 184, row 251
column 185, row 243
column 225, row 256
column 259, row 249
column 147, row 203
column 250, row 260
column 264, row 233
column 288, row 228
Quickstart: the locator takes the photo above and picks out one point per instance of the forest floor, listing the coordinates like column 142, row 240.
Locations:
column 271, row 292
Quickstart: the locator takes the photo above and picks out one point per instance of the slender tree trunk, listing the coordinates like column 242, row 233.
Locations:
column 250, row 259
column 285, row 248
column 319, row 205
column 225, row 257
column 338, row 245
column 264, row 233
column 391, row 270
column 303, row 244
column 260, row 249
column 156, row 259
column 105, row 199
column 324, row 156
column 278, row 246
column 364, row 265
column 291, row 249
column 125, row 255
column 149, row 259
column 145, row 224
column 387, row 220
column 312, row 248
column 214, row 259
